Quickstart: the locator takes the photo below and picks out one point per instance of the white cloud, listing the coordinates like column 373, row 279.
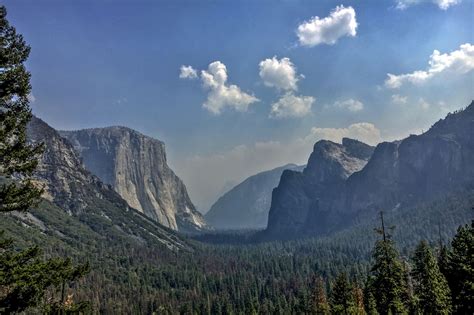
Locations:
column 341, row 22
column 399, row 99
column 222, row 95
column 350, row 104
column 187, row 72
column 290, row 105
column 280, row 74
column 242, row 161
column 442, row 4
column 460, row 61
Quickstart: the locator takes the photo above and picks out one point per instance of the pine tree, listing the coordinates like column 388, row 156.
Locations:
column 388, row 277
column 18, row 159
column 430, row 286
column 24, row 275
column 342, row 299
column 319, row 303
column 461, row 270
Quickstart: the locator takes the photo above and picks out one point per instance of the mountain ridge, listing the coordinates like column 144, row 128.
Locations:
column 401, row 173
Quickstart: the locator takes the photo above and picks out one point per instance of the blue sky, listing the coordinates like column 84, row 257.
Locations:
column 100, row 63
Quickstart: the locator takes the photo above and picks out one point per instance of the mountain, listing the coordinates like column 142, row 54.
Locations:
column 300, row 195
column 135, row 166
column 342, row 186
column 75, row 197
column 246, row 205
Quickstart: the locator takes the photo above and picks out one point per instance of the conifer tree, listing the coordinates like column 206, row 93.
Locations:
column 18, row 159
column 319, row 303
column 24, row 275
column 461, row 270
column 388, row 277
column 430, row 286
column 342, row 299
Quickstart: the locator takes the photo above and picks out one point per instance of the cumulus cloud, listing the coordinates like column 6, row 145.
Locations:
column 350, row 105
column 460, row 61
column 245, row 160
column 290, row 105
column 442, row 4
column 222, row 95
column 187, row 72
column 340, row 22
column 280, row 74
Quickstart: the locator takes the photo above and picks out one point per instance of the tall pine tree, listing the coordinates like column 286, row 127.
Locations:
column 460, row 270
column 24, row 275
column 430, row 286
column 18, row 159
column 387, row 281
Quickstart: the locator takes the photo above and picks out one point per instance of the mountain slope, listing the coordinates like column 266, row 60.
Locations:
column 246, row 205
column 326, row 197
column 85, row 200
column 135, row 166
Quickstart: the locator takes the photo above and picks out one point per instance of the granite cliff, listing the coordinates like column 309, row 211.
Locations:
column 135, row 166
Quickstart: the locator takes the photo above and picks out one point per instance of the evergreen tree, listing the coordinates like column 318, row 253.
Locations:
column 388, row 277
column 18, row 159
column 319, row 303
column 342, row 299
column 25, row 278
column 461, row 270
column 430, row 286
column 24, row 275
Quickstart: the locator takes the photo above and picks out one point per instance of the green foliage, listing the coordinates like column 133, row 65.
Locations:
column 17, row 157
column 342, row 299
column 387, row 282
column 430, row 286
column 25, row 277
column 460, row 270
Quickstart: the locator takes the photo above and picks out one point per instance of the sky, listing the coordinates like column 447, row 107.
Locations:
column 238, row 87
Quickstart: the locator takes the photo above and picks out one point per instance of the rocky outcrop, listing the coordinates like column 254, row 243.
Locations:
column 86, row 199
column 246, row 205
column 300, row 196
column 135, row 166
column 341, row 185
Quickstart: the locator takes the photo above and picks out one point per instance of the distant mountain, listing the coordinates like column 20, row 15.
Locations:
column 135, row 166
column 339, row 188
column 79, row 208
column 246, row 205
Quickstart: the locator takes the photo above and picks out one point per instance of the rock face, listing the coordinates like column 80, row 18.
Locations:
column 86, row 198
column 246, row 205
column 339, row 186
column 300, row 196
column 135, row 166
